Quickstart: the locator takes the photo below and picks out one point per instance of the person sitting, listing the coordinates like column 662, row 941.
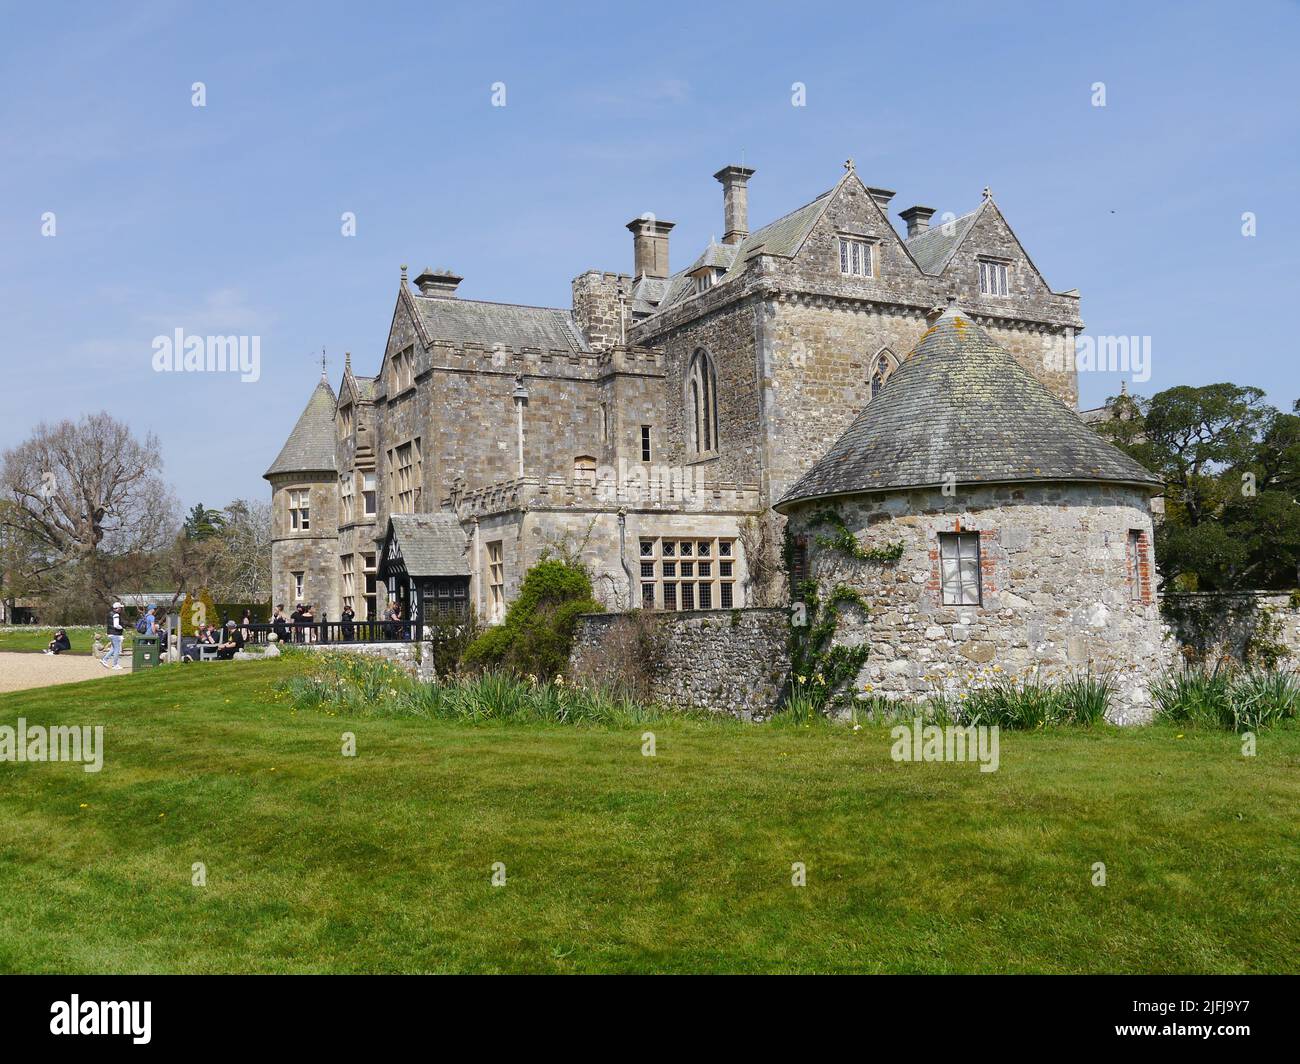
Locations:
column 279, row 625
column 233, row 642
column 59, row 643
column 205, row 635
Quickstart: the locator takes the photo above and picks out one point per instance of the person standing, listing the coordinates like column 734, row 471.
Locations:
column 115, row 632
column 349, row 629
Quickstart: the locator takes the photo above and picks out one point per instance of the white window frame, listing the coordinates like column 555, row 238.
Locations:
column 300, row 509
column 995, row 277
column 298, row 585
column 857, row 256
column 347, row 498
column 959, row 569
column 689, row 573
column 369, row 493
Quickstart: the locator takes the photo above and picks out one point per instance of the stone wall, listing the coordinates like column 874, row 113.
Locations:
column 1058, row 595
column 727, row 661
column 414, row 657
column 1253, row 626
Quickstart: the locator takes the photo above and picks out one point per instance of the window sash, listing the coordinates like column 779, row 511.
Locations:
column 678, row 573
column 959, row 568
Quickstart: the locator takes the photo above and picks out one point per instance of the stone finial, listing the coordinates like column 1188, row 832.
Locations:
column 848, row 165
column 403, row 273
column 988, row 192
column 347, row 361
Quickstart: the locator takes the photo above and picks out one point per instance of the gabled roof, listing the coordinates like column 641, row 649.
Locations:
column 933, row 248
column 961, row 408
column 429, row 544
column 783, row 237
column 470, row 320
column 310, row 447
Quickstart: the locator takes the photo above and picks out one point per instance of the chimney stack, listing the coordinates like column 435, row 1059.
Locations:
column 440, row 283
column 649, row 246
column 917, row 219
column 735, row 202
column 882, row 196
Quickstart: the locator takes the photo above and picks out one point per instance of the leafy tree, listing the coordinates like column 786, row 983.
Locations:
column 1231, row 467
column 202, row 523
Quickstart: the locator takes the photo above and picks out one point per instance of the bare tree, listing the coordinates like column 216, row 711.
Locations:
column 83, row 494
column 245, row 563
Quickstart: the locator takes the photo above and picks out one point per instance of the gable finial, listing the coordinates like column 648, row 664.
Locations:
column 347, row 361
column 988, row 192
column 403, row 273
column 848, row 165
column 323, row 374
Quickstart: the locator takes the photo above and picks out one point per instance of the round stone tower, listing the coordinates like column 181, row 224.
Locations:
column 989, row 531
column 305, row 511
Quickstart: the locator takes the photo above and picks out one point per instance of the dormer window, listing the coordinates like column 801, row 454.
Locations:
column 884, row 365
column 993, row 277
column 345, row 421
column 856, row 257
column 706, row 278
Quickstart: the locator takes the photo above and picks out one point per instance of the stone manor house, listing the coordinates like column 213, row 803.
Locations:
column 667, row 425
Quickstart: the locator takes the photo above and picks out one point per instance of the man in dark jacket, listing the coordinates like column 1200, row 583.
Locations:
column 233, row 641
column 115, row 631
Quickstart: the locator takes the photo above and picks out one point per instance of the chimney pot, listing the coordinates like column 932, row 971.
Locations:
column 649, row 246
column 735, row 202
column 440, row 283
column 917, row 219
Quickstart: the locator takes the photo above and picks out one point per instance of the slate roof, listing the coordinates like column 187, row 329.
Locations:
column 933, row 248
column 365, row 387
column 463, row 320
column 310, row 446
column 431, row 544
column 783, row 237
column 961, row 405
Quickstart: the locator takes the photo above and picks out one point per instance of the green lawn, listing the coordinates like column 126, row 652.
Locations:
column 619, row 862
column 26, row 638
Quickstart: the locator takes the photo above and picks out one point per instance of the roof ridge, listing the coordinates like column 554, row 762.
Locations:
column 489, row 302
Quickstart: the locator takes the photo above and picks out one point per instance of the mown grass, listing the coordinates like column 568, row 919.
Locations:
column 620, row 862
column 24, row 638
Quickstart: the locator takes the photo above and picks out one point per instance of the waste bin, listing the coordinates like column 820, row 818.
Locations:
column 144, row 654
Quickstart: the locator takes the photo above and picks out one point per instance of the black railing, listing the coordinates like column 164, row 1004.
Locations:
column 291, row 634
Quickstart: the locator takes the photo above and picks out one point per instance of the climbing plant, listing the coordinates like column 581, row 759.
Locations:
column 823, row 670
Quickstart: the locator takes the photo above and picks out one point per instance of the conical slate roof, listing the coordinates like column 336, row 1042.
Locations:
column 310, row 447
column 961, row 408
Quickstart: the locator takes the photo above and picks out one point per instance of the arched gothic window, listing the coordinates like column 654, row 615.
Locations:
column 882, row 366
column 702, row 404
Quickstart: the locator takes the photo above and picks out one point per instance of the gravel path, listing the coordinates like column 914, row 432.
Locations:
column 20, row 671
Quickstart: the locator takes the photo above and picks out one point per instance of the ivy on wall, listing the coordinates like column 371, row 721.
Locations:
column 821, row 669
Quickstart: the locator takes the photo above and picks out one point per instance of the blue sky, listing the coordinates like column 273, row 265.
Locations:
column 226, row 218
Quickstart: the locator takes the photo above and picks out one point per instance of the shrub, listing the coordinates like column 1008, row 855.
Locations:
column 191, row 617
column 535, row 637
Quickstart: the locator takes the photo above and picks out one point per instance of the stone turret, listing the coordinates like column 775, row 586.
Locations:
column 305, row 510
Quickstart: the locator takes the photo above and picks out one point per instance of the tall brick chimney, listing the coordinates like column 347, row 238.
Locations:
column 650, row 246
column 735, row 202
column 440, row 283
column 917, row 219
